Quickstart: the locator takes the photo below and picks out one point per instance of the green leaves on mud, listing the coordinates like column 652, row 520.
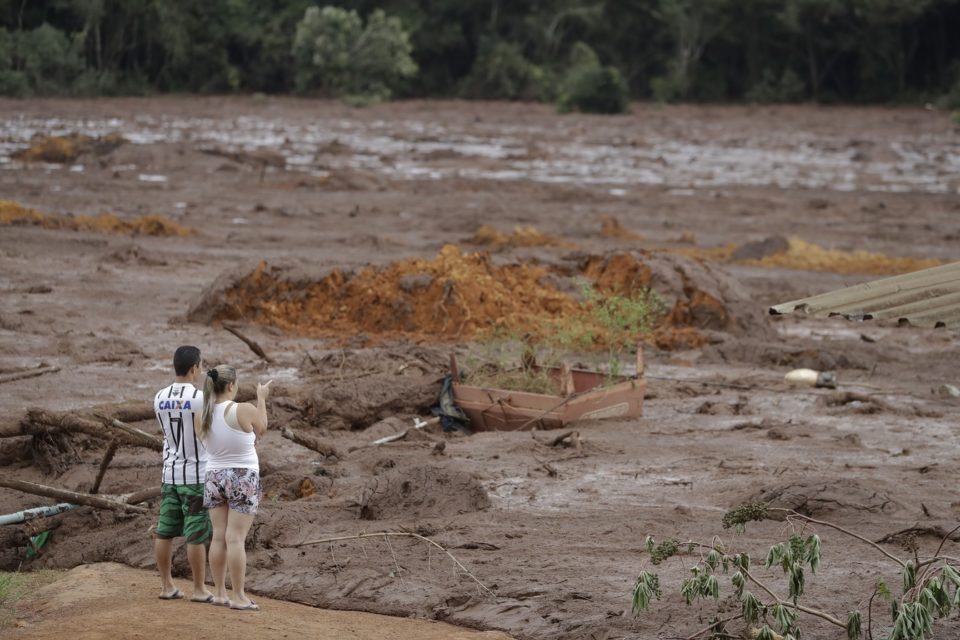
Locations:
column 931, row 587
column 739, row 517
column 645, row 589
column 854, row 623
column 662, row 551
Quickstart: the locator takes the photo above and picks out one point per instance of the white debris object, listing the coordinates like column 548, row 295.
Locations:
column 806, row 377
column 948, row 391
column 811, row 378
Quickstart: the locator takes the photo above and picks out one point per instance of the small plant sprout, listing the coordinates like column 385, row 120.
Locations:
column 931, row 584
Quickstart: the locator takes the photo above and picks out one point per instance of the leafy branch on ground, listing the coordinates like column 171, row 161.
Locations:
column 930, row 584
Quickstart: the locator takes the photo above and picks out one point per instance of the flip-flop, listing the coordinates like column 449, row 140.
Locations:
column 176, row 595
column 250, row 607
column 225, row 603
column 206, row 600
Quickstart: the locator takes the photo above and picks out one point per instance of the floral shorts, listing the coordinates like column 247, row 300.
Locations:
column 239, row 489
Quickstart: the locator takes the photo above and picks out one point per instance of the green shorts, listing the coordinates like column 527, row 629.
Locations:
column 182, row 513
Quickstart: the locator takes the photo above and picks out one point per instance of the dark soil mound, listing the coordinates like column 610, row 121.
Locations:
column 422, row 492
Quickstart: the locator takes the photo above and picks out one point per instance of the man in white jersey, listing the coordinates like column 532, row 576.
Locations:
column 178, row 408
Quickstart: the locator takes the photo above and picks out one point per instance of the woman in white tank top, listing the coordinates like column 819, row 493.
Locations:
column 232, row 491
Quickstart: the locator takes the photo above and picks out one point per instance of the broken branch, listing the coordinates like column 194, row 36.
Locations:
column 134, row 435
column 104, row 502
column 256, row 348
column 31, row 373
column 560, row 438
column 141, row 496
column 107, row 457
column 314, row 444
column 387, row 535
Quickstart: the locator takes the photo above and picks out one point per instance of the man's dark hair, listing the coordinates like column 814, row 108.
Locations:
column 185, row 358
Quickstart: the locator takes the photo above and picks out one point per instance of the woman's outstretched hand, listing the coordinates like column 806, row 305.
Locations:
column 263, row 390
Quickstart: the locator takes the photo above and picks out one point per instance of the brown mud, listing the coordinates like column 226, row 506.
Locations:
column 347, row 264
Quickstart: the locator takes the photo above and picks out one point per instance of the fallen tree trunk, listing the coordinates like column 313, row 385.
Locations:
column 142, row 496
column 129, row 411
column 314, row 444
column 30, row 373
column 135, row 436
column 100, row 502
column 40, row 421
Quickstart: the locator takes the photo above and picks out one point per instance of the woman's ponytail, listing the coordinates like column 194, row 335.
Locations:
column 209, row 395
column 214, row 383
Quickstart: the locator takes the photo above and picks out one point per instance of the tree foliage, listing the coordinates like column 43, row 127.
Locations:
column 931, row 584
column 689, row 50
column 334, row 51
column 591, row 87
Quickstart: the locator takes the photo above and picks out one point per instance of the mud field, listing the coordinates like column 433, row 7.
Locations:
column 359, row 248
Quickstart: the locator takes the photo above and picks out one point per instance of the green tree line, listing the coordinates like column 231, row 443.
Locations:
column 853, row 51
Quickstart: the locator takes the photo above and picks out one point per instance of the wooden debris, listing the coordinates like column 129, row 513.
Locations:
column 142, row 496
column 104, row 502
column 551, row 471
column 104, row 463
column 133, row 435
column 30, row 373
column 310, row 442
column 560, row 438
column 256, row 348
column 39, row 421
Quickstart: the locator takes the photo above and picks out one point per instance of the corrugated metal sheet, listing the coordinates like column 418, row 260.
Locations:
column 926, row 298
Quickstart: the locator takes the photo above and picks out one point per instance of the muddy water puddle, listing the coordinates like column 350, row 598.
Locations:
column 411, row 149
column 602, row 487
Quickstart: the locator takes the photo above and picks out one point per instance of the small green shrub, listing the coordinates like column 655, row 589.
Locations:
column 334, row 51
column 788, row 87
column 502, row 72
column 590, row 87
column 613, row 321
column 41, row 61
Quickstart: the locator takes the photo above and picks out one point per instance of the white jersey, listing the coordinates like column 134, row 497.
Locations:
column 178, row 408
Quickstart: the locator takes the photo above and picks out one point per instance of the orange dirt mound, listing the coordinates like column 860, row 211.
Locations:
column 63, row 149
column 465, row 296
column 699, row 309
column 13, row 213
column 495, row 239
column 454, row 295
column 620, row 273
column 610, row 227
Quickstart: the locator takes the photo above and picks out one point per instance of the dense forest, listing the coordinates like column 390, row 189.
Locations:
column 582, row 54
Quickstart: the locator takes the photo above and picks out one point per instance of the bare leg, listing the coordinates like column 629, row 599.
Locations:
column 197, row 555
column 218, row 553
column 163, row 550
column 238, row 524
